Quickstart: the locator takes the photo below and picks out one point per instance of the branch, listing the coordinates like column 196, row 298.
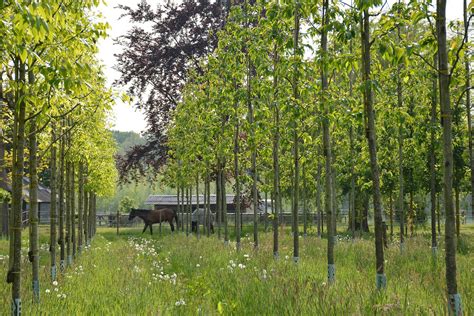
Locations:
column 462, row 94
column 426, row 61
column 466, row 27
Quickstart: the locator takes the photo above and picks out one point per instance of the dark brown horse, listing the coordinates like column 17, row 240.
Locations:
column 151, row 217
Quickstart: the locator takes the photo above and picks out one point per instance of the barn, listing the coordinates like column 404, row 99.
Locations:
column 171, row 201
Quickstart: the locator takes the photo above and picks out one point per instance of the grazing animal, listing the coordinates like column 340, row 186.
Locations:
column 151, row 217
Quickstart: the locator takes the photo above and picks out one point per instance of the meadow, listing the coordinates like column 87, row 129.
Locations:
column 172, row 274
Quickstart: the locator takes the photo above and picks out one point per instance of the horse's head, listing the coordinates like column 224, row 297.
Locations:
column 132, row 214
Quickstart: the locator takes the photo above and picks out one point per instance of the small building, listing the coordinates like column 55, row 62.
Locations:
column 171, row 201
column 44, row 200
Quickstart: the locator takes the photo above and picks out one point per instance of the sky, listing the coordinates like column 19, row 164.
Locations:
column 125, row 117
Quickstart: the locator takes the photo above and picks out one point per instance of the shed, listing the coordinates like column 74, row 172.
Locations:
column 171, row 201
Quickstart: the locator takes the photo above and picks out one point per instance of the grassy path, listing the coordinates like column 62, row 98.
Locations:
column 136, row 274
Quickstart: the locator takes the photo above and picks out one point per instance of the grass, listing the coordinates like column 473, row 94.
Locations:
column 135, row 274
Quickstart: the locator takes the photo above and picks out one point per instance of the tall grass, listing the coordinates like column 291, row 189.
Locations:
column 135, row 274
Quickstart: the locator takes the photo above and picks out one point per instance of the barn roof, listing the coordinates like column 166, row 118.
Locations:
column 44, row 194
column 172, row 199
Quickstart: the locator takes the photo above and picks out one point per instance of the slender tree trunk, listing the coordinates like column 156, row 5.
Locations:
column 438, row 212
column 265, row 205
column 318, row 196
column 33, row 218
column 80, row 202
column 178, row 199
column 91, row 216
column 275, row 153
column 458, row 215
column 86, row 212
column 468, row 109
column 224, row 204
column 352, row 191
column 17, row 183
column 236, row 176
column 401, row 204
column 62, row 262
column 198, row 231
column 188, row 209
column 372, row 142
column 54, row 203
column 434, row 103
column 391, row 216
column 73, row 210
column 207, row 205
column 454, row 299
column 327, row 146
column 68, row 213
column 296, row 143
column 303, row 197
column 183, row 207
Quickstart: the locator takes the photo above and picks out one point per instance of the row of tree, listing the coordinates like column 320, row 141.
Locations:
column 54, row 107
column 293, row 88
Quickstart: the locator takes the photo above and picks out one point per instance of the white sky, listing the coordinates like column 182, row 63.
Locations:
column 126, row 118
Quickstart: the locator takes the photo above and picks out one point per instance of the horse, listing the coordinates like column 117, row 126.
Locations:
column 151, row 217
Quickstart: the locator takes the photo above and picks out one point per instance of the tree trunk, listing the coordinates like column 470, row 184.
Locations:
column 401, row 204
column 54, row 203
column 458, row 215
column 224, row 204
column 236, row 175
column 275, row 154
column 33, row 218
column 318, row 196
column 80, row 205
column 68, row 213
column 188, row 209
column 303, row 197
column 198, row 230
column 454, row 299
column 296, row 144
column 328, row 200
column 372, row 142
column 468, row 110
column 18, row 145
column 62, row 262
column 86, row 213
column 391, row 216
column 73, row 210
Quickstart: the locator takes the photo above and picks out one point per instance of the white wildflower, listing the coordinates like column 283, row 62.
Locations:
column 48, row 291
column 55, row 283
column 198, row 265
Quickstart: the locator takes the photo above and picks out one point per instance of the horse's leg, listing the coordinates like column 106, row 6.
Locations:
column 171, row 225
column 151, row 230
column 144, row 228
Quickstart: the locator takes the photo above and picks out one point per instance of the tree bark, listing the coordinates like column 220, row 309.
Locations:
column 18, row 145
column 296, row 142
column 80, row 205
column 54, row 203
column 62, row 262
column 73, row 210
column 372, row 142
column 275, row 154
column 468, row 109
column 454, row 299
column 236, row 174
column 33, row 218
column 328, row 200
